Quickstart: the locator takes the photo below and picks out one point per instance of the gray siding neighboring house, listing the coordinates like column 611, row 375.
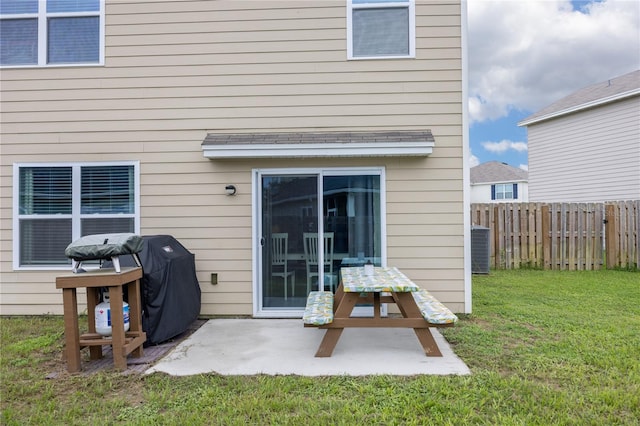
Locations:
column 496, row 182
column 586, row 147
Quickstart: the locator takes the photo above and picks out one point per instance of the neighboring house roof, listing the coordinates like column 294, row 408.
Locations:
column 325, row 144
column 497, row 172
column 588, row 97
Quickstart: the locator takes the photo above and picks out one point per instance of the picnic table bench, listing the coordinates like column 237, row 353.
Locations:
column 419, row 309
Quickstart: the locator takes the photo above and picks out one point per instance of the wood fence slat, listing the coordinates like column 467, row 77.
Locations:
column 508, row 226
column 599, row 232
column 582, row 238
column 514, row 210
column 590, row 229
column 532, row 240
column 524, row 234
column 630, row 245
column 539, row 236
column 559, row 236
column 546, row 236
column 636, row 214
column 571, row 237
column 499, row 237
column 555, row 241
column 564, row 232
column 492, row 224
column 611, row 237
column 624, row 240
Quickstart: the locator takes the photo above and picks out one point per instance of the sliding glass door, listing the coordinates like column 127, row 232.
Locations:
column 289, row 211
column 309, row 224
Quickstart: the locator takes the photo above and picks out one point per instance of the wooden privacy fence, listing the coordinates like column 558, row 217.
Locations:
column 572, row 236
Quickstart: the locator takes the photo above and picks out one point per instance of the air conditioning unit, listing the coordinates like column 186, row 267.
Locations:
column 479, row 250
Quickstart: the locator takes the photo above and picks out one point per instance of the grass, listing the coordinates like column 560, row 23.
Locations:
column 544, row 347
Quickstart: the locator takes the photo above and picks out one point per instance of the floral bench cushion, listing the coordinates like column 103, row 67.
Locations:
column 319, row 310
column 433, row 310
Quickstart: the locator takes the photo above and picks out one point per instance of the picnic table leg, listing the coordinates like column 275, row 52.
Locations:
column 337, row 298
column 329, row 342
column 332, row 335
column 409, row 309
column 427, row 341
column 376, row 305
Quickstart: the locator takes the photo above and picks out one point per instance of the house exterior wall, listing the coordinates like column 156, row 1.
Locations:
column 175, row 71
column 588, row 156
column 481, row 193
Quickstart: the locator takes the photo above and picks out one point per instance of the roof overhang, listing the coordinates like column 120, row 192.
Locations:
column 497, row 182
column 315, row 145
column 587, row 105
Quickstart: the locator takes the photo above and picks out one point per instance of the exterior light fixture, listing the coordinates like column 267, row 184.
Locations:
column 231, row 189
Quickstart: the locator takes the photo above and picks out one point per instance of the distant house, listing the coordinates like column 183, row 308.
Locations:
column 496, row 182
column 586, row 146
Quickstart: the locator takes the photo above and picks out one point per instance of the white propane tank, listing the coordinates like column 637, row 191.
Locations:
column 103, row 316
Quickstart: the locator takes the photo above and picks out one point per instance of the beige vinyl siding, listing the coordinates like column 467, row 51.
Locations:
column 176, row 70
column 591, row 155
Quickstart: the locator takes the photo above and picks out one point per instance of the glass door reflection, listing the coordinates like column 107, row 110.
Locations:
column 289, row 211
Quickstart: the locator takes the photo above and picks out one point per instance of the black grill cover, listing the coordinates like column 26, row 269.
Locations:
column 170, row 289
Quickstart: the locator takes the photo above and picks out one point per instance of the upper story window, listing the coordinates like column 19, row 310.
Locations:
column 504, row 191
column 55, row 204
column 51, row 32
column 380, row 29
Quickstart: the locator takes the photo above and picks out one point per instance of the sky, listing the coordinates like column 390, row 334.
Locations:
column 526, row 54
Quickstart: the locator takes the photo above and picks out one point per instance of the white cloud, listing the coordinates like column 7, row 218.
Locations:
column 473, row 160
column 504, row 146
column 524, row 167
column 526, row 54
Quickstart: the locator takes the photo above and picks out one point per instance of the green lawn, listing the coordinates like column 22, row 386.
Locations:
column 544, row 347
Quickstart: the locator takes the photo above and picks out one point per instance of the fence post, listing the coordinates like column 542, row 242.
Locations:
column 499, row 233
column 628, row 222
column 611, row 236
column 636, row 212
column 491, row 224
column 546, row 238
column 516, row 234
column 598, row 244
column 571, row 237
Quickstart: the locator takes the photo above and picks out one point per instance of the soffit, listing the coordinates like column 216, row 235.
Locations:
column 321, row 144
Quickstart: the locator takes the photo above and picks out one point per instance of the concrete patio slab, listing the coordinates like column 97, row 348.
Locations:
column 285, row 347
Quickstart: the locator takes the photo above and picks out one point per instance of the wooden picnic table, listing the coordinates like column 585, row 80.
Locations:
column 386, row 285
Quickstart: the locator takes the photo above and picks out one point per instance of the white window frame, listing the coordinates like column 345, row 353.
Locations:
column 42, row 16
column 410, row 5
column 501, row 188
column 76, row 215
column 257, row 232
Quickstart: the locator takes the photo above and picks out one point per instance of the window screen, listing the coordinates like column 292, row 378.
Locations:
column 18, row 42
column 50, row 32
column 381, row 32
column 73, row 40
column 51, row 215
column 379, row 28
